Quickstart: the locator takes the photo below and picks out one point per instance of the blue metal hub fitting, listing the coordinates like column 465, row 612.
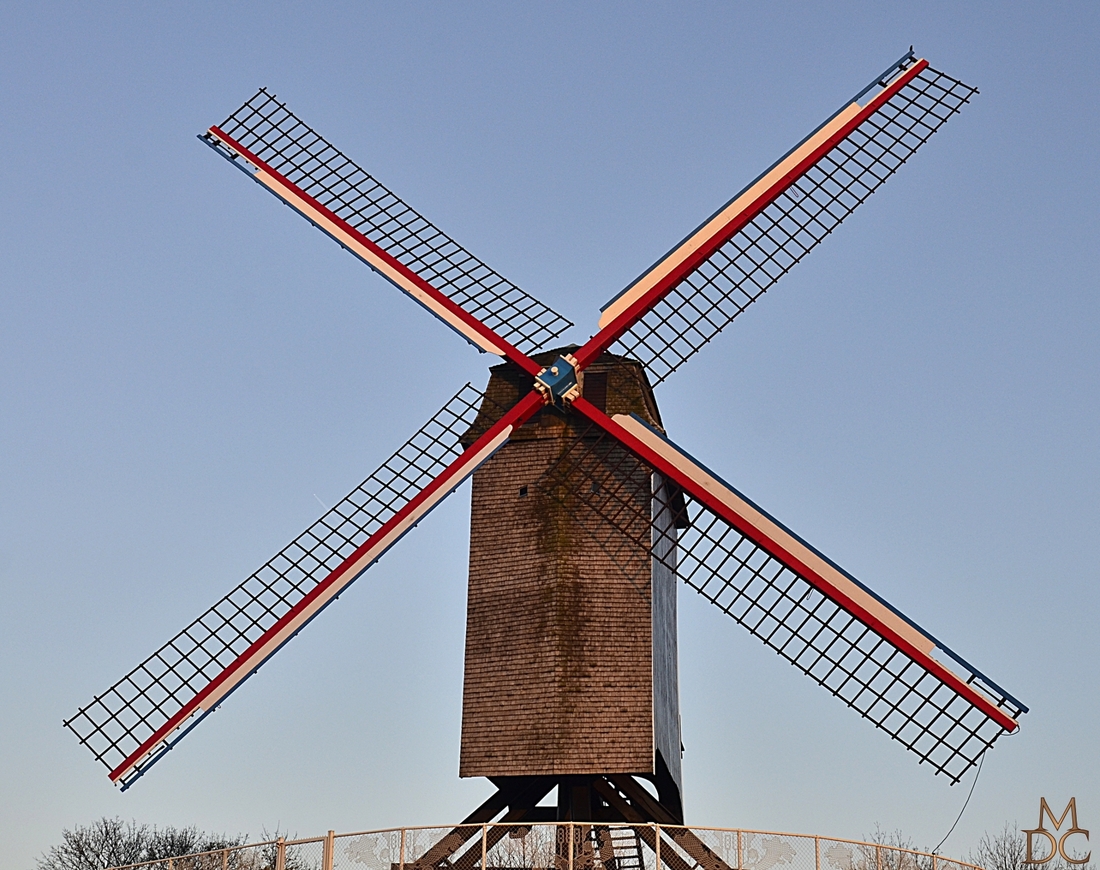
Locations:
column 560, row 382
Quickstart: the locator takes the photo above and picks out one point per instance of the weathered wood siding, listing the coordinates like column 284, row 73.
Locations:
column 570, row 650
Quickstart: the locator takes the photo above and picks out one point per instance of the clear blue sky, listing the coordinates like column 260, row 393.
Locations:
column 186, row 369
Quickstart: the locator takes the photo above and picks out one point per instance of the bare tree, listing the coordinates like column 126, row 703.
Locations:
column 1003, row 850
column 113, row 843
column 890, row 851
column 103, row 843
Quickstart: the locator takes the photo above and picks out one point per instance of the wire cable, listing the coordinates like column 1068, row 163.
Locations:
column 977, row 773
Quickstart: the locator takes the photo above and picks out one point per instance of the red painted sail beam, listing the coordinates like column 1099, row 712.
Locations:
column 325, row 591
column 632, row 305
column 663, row 456
column 378, row 259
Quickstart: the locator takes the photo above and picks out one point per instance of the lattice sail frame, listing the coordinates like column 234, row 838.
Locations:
column 117, row 723
column 778, row 605
column 270, row 131
column 794, row 223
column 713, row 276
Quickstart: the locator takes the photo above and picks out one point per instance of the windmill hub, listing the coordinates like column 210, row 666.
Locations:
column 560, row 382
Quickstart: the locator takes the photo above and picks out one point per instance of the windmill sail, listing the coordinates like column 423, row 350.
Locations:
column 298, row 165
column 696, row 290
column 653, row 510
column 791, row 597
column 131, row 725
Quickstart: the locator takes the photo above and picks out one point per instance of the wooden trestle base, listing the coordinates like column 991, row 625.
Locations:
column 590, row 802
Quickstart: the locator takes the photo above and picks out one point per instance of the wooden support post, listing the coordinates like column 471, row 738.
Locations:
column 495, row 833
column 327, row 850
column 648, row 834
column 280, row 854
column 707, row 858
column 518, row 795
column 642, row 799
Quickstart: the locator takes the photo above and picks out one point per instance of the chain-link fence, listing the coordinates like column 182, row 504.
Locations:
column 561, row 846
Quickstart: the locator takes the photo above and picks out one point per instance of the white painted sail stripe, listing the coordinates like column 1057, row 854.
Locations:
column 705, row 233
column 245, row 668
column 775, row 532
column 383, row 266
column 357, row 568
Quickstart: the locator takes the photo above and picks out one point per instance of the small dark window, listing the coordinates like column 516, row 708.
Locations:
column 595, row 486
column 523, row 492
column 595, row 389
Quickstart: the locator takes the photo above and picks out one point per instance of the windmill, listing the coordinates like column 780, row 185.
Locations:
column 584, row 512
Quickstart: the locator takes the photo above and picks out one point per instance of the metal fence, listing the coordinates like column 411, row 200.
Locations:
column 560, row 846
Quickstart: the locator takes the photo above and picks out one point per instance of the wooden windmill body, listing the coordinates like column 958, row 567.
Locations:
column 571, row 664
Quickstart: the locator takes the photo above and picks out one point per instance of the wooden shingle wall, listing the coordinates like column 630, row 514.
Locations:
column 560, row 667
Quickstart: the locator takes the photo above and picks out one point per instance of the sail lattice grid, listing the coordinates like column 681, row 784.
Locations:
column 625, row 494
column 120, row 720
column 777, row 605
column 764, row 250
column 274, row 134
